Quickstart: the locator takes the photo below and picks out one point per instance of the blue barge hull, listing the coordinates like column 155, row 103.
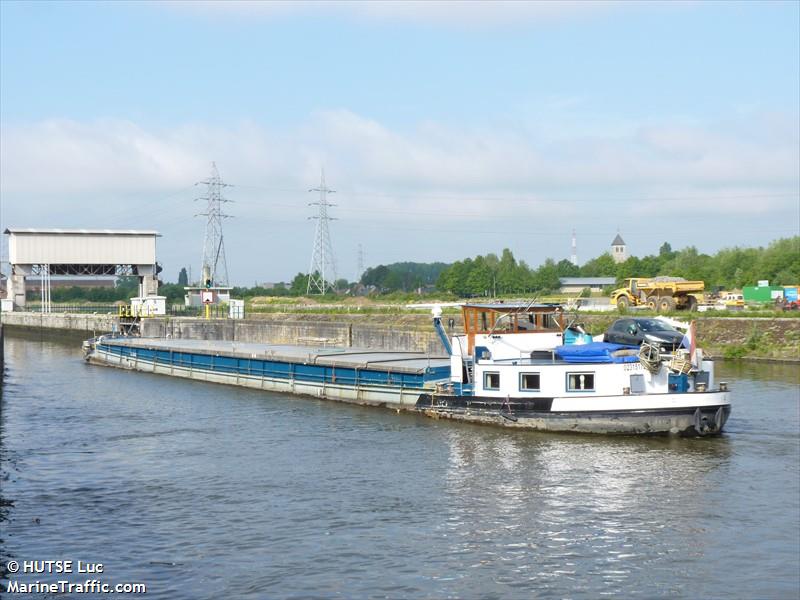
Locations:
column 347, row 374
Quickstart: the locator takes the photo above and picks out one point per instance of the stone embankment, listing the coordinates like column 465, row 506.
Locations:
column 728, row 337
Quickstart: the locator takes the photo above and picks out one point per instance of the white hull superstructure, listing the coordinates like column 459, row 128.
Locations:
column 518, row 365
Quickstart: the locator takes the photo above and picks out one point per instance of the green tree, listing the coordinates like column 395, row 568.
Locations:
column 508, row 273
column 493, row 264
column 602, row 266
column 546, row 276
column 479, row 278
column 299, row 284
column 183, row 277
column 780, row 262
column 632, row 267
column 566, row 269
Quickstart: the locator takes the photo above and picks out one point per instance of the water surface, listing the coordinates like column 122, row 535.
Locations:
column 208, row 491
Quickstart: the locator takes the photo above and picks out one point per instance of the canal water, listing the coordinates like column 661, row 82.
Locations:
column 207, row 491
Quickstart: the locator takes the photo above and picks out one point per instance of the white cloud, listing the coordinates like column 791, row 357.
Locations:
column 469, row 173
column 428, row 192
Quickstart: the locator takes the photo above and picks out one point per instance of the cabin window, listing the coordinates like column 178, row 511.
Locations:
column 580, row 382
column 527, row 322
column 548, row 321
column 491, row 381
column 529, row 382
column 484, row 322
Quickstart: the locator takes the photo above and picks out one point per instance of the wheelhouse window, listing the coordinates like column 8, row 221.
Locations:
column 529, row 382
column 580, row 382
column 526, row 322
column 491, row 380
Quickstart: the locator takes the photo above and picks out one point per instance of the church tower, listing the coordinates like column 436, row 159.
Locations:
column 619, row 251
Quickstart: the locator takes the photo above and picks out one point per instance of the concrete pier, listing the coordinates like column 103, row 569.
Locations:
column 310, row 331
column 61, row 321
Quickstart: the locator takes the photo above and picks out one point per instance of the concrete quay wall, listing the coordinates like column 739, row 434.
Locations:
column 415, row 332
column 61, row 321
column 768, row 338
column 307, row 332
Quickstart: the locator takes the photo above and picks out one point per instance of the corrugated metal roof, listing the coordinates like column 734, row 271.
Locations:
column 82, row 231
column 587, row 280
column 512, row 305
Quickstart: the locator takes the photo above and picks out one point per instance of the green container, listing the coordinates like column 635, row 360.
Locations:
column 755, row 293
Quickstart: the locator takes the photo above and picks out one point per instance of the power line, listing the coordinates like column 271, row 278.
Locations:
column 322, row 259
column 635, row 197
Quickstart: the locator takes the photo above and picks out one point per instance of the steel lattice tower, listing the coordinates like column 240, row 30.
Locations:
column 360, row 264
column 323, row 264
column 214, row 265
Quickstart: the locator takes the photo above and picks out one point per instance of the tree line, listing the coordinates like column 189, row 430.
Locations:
column 729, row 268
column 490, row 275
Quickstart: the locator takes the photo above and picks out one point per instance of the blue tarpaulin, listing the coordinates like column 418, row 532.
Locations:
column 596, row 352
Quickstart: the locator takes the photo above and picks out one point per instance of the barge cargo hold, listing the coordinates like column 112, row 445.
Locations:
column 346, row 374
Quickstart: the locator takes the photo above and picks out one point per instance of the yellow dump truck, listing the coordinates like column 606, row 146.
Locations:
column 659, row 293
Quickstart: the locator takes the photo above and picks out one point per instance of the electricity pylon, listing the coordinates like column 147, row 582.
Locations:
column 323, row 264
column 214, row 266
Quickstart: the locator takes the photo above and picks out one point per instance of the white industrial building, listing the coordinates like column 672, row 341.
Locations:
column 575, row 285
column 42, row 253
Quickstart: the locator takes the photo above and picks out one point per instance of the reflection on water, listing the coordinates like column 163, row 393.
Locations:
column 591, row 511
column 779, row 373
column 206, row 491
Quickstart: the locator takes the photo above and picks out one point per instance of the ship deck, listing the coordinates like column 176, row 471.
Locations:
column 417, row 363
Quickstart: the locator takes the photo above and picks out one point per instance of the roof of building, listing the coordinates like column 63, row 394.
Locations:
column 509, row 306
column 618, row 241
column 587, row 280
column 81, row 231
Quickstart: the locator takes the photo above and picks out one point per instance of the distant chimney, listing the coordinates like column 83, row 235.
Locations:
column 574, row 258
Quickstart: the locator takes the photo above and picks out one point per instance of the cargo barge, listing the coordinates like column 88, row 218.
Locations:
column 515, row 365
column 347, row 374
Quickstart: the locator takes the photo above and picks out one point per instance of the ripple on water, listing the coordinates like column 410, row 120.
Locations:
column 206, row 491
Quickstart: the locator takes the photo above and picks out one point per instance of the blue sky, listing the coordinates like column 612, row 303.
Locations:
column 448, row 129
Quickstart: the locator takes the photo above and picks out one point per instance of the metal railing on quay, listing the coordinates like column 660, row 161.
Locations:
column 100, row 309
column 214, row 312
